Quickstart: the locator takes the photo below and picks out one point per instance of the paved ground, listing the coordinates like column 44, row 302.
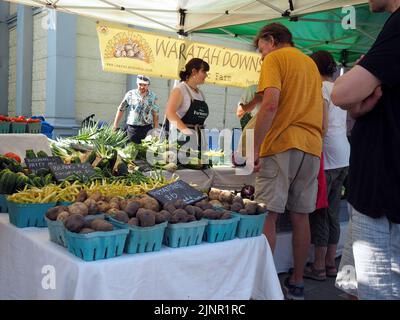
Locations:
column 319, row 290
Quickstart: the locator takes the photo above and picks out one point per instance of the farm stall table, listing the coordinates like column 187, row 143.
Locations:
column 236, row 269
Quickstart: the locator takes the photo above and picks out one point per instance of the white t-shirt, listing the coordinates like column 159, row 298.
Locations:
column 336, row 146
column 184, row 107
column 247, row 96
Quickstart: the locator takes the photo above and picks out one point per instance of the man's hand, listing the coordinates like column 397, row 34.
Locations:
column 239, row 111
column 367, row 105
column 115, row 128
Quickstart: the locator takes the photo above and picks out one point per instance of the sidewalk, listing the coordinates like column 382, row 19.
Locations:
column 319, row 290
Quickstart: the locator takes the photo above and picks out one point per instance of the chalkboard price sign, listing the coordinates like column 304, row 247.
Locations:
column 63, row 171
column 35, row 164
column 178, row 190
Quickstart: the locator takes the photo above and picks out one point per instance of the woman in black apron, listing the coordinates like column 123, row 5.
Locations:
column 186, row 106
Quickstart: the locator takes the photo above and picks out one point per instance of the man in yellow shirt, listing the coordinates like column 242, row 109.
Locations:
column 288, row 142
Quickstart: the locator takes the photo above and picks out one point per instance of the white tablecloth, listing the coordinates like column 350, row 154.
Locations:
column 19, row 143
column 237, row 269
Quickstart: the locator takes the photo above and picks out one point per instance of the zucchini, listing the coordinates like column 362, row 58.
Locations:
column 30, row 154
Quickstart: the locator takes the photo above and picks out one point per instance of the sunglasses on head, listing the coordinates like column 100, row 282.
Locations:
column 143, row 78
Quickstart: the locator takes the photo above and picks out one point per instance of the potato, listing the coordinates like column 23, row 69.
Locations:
column 203, row 204
column 82, row 196
column 216, row 203
column 112, row 211
column 122, row 204
column 78, row 208
column 92, row 206
column 226, row 196
column 225, row 216
column 121, row 216
column 226, row 206
column 214, row 194
column 106, row 198
column 238, row 199
column 243, row 211
column 96, row 196
column 103, row 206
column 131, row 208
column 169, row 207
column 62, row 216
column 147, row 218
column 149, row 203
column 162, row 216
column 114, row 204
column 209, row 214
column 246, row 201
column 86, row 230
column 179, row 204
column 101, row 225
column 74, row 223
column 199, row 213
column 190, row 210
column 190, row 218
column 115, row 199
column 251, row 207
column 133, row 222
column 219, row 214
column 52, row 213
column 181, row 212
column 236, row 207
column 261, row 208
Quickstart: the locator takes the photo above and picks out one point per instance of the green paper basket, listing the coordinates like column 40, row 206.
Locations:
column 3, row 203
column 250, row 225
column 24, row 215
column 34, row 127
column 142, row 239
column 184, row 234
column 96, row 245
column 221, row 230
column 18, row 127
column 4, row 127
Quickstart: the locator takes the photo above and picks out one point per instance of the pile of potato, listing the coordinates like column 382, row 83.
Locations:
column 229, row 201
column 76, row 221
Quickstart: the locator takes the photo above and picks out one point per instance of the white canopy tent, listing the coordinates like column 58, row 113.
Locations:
column 185, row 16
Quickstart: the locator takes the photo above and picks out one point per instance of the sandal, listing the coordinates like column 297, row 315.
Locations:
column 331, row 271
column 316, row 274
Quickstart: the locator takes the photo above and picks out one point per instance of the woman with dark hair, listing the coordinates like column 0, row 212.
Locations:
column 324, row 223
column 186, row 108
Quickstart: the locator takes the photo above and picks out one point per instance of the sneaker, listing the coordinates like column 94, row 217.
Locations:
column 293, row 291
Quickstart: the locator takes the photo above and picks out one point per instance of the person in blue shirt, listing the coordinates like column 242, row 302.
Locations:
column 142, row 107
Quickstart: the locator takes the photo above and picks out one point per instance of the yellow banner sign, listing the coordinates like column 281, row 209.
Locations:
column 131, row 51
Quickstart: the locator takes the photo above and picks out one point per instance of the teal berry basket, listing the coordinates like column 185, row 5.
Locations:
column 97, row 245
column 184, row 234
column 250, row 225
column 56, row 231
column 34, row 127
column 221, row 230
column 3, row 203
column 4, row 127
column 24, row 215
column 18, row 127
column 142, row 239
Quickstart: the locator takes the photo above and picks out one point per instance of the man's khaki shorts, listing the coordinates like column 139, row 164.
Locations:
column 288, row 180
